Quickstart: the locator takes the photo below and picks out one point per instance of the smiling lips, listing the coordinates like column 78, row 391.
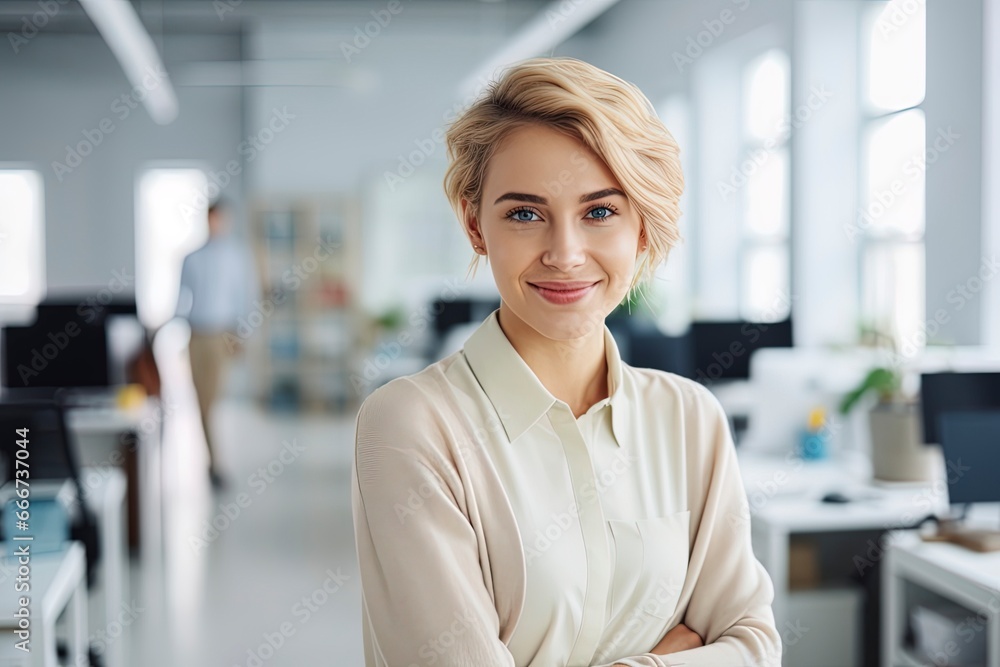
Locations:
column 563, row 292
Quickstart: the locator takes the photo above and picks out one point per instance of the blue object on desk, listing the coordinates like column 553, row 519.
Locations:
column 813, row 444
column 47, row 524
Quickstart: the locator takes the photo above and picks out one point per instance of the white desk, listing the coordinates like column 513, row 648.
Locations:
column 785, row 498
column 967, row 578
column 58, row 585
column 105, row 496
column 98, row 432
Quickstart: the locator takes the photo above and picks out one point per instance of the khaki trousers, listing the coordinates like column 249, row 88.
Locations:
column 210, row 355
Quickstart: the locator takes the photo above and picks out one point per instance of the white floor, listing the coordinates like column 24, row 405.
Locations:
column 278, row 585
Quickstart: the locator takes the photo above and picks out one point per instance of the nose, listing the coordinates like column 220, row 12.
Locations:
column 566, row 247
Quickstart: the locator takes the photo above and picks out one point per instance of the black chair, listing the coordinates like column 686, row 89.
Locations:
column 51, row 458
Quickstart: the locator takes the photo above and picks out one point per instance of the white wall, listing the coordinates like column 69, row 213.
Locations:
column 991, row 166
column 954, row 233
column 399, row 93
column 825, row 154
column 62, row 85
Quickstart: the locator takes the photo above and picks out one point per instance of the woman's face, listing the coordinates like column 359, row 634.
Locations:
column 552, row 212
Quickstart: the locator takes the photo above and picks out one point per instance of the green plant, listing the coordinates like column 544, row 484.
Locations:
column 391, row 319
column 883, row 381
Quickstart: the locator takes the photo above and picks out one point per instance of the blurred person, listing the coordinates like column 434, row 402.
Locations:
column 217, row 287
column 531, row 500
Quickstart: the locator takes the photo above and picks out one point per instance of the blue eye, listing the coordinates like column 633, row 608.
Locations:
column 513, row 215
column 607, row 212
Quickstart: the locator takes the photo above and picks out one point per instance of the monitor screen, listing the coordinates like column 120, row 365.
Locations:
column 970, row 441
column 721, row 350
column 649, row 348
column 947, row 392
column 55, row 353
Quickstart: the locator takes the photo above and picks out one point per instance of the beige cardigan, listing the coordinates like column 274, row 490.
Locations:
column 441, row 557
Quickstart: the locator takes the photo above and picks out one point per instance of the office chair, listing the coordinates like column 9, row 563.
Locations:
column 51, row 457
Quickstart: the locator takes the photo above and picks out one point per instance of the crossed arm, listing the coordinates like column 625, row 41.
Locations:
column 436, row 556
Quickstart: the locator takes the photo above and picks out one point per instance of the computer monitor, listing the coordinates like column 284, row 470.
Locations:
column 950, row 392
column 455, row 312
column 648, row 347
column 722, row 350
column 970, row 442
column 55, row 352
column 67, row 345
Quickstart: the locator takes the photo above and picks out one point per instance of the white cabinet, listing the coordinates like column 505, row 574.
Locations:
column 955, row 584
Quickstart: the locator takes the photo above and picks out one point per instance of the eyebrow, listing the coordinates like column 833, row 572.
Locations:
column 535, row 199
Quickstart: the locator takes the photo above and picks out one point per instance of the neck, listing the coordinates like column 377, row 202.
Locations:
column 574, row 371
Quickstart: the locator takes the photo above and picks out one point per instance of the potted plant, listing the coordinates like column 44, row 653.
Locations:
column 898, row 451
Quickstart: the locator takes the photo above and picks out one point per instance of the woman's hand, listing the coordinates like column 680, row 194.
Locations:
column 678, row 638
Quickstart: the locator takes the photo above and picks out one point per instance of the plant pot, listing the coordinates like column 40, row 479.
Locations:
column 898, row 451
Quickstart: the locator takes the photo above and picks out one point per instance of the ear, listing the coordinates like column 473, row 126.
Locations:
column 471, row 224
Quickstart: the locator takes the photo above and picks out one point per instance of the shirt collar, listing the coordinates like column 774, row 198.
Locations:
column 517, row 394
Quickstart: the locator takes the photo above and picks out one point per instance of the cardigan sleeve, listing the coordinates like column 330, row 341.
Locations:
column 730, row 605
column 423, row 591
column 422, row 585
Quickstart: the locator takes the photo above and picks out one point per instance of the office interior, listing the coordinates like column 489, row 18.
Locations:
column 836, row 289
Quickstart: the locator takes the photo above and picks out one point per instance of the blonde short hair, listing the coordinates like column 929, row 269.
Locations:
column 609, row 115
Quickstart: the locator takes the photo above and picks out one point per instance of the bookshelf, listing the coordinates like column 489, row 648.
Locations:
column 307, row 250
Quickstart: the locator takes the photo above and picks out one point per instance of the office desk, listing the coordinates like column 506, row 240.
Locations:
column 104, row 494
column 58, row 585
column 100, row 430
column 784, row 495
column 966, row 578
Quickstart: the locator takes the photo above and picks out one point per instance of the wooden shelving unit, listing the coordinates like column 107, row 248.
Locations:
column 308, row 250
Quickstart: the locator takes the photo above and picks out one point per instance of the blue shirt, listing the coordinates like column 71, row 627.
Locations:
column 218, row 286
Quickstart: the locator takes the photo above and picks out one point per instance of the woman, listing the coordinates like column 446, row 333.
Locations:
column 531, row 499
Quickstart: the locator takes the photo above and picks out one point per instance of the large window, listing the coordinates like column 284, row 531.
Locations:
column 764, row 210
column 22, row 237
column 170, row 222
column 893, row 166
column 672, row 284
